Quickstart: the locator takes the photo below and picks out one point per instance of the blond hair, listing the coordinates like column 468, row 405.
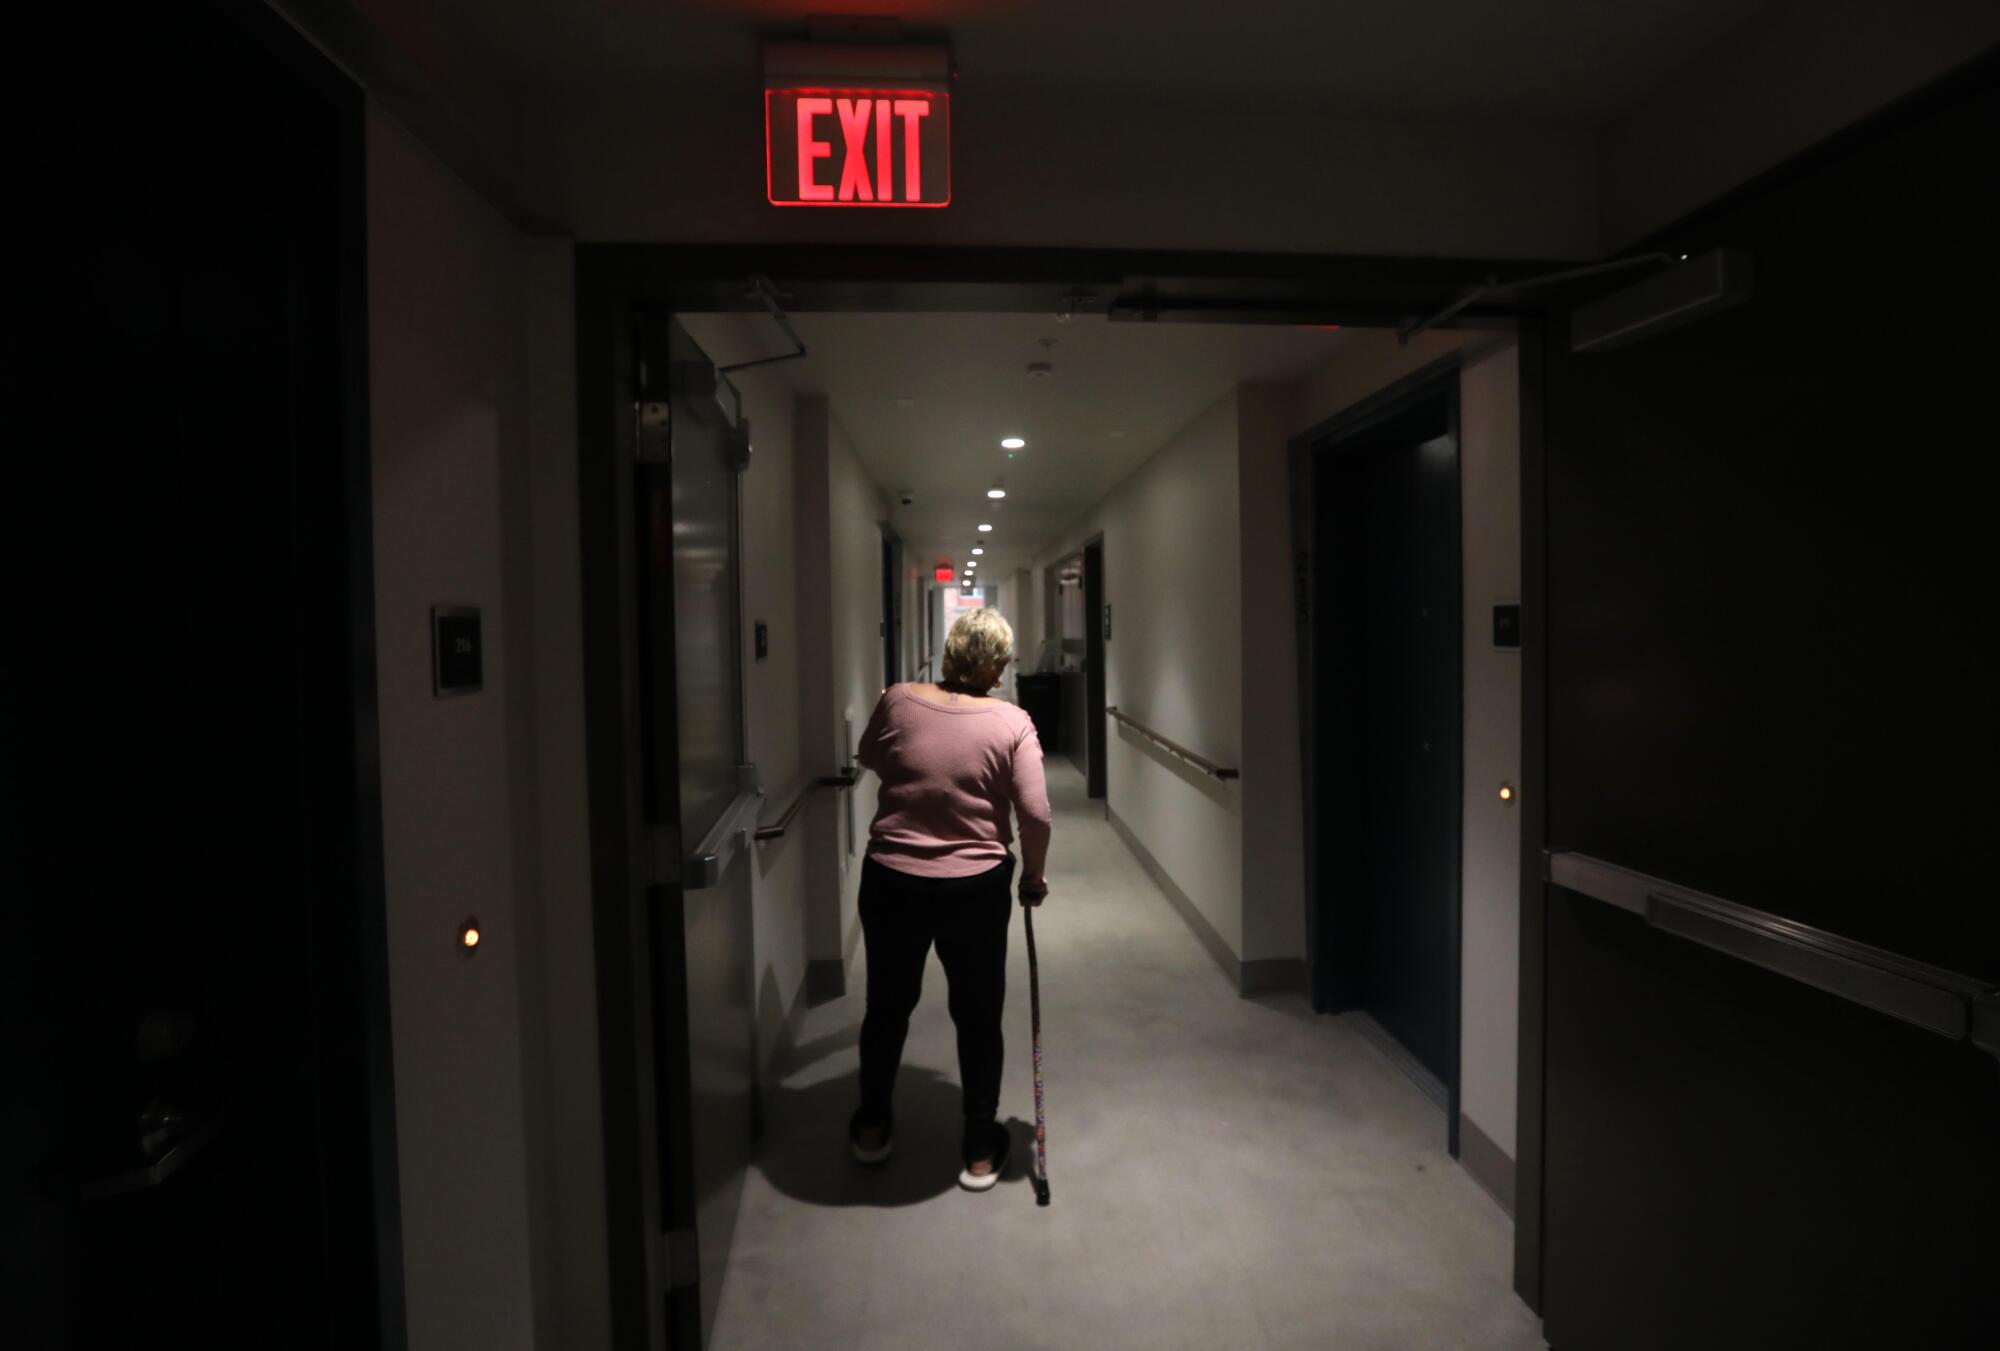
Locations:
column 977, row 649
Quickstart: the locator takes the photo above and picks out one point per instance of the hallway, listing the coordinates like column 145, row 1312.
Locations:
column 1227, row 1173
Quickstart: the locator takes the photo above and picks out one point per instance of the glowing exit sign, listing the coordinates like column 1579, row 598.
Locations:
column 944, row 573
column 857, row 147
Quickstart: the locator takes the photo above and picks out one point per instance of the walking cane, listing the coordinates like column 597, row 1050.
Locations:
column 1041, row 1176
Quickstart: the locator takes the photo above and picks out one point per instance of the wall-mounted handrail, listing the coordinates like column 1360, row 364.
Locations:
column 1955, row 1006
column 1172, row 747
column 778, row 827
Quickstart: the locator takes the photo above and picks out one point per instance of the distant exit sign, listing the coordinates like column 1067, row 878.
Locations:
column 857, row 147
column 944, row 573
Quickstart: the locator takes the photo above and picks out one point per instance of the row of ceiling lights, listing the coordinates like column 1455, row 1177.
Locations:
column 996, row 492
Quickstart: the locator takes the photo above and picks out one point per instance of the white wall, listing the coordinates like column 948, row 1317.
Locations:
column 1172, row 577
column 857, row 509
column 771, row 699
column 820, row 825
column 1489, row 465
column 838, row 511
column 448, row 419
column 1273, row 814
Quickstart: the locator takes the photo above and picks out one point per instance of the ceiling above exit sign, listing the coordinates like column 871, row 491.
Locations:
column 857, row 147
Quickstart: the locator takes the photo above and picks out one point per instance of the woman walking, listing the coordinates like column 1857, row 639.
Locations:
column 952, row 762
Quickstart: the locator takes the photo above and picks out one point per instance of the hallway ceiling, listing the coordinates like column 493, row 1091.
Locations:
column 1118, row 393
column 1579, row 59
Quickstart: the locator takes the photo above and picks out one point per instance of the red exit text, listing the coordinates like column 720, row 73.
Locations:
column 857, row 147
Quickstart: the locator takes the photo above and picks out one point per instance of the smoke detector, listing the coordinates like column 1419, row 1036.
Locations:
column 1041, row 370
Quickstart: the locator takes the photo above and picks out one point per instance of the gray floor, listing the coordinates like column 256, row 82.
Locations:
column 1226, row 1173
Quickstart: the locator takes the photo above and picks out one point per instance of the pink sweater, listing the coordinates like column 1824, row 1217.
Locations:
column 949, row 773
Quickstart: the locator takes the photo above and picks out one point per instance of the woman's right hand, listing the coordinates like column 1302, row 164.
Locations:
column 1034, row 891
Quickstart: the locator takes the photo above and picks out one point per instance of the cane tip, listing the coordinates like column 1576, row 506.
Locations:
column 1041, row 1192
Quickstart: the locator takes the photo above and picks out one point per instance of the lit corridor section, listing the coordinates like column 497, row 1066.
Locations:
column 1227, row 1173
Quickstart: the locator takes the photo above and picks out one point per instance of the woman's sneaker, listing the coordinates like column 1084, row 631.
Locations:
column 869, row 1144
column 996, row 1164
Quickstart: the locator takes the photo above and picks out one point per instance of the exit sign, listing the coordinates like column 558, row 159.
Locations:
column 944, row 573
column 857, row 147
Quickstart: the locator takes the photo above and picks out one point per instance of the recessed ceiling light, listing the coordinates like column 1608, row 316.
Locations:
column 984, row 527
column 1011, row 443
column 996, row 492
column 978, row 550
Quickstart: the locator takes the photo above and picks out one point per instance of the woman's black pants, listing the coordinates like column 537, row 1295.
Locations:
column 967, row 917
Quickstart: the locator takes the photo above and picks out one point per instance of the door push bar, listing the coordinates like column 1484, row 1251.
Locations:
column 1954, row 1006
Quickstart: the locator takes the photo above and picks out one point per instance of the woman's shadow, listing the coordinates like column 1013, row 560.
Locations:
column 804, row 1150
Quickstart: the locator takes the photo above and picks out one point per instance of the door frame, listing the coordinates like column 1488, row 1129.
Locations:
column 614, row 279
column 1308, row 452
column 320, row 662
column 892, row 605
column 352, row 1036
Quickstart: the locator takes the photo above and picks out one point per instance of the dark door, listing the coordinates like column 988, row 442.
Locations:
column 1096, row 630
column 1769, row 576
column 892, row 605
column 199, row 1140
column 1387, row 708
column 698, row 795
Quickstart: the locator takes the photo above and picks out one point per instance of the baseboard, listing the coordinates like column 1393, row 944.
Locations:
column 826, row 979
column 1217, row 947
column 1487, row 1162
column 1273, row 975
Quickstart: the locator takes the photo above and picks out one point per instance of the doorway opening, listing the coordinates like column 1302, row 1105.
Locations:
column 982, row 538
column 1075, row 651
column 1377, row 512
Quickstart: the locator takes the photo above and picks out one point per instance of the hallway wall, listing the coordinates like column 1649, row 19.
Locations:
column 448, row 420
column 837, row 574
column 1274, row 913
column 1489, row 460
column 1171, row 568
column 857, row 508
